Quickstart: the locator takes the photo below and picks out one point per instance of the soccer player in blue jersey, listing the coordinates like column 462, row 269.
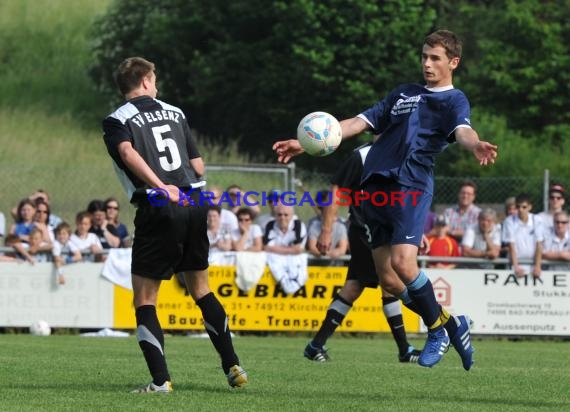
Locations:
column 416, row 123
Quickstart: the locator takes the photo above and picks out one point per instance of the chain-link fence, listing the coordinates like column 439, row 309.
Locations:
column 72, row 189
column 491, row 191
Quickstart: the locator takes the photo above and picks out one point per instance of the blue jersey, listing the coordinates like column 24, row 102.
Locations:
column 415, row 125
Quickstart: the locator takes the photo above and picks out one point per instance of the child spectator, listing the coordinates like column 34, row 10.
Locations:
column 442, row 244
column 20, row 252
column 24, row 220
column 64, row 251
column 85, row 241
column 524, row 235
column 6, row 256
column 39, row 249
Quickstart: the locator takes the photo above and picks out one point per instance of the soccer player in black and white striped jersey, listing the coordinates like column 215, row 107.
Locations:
column 155, row 154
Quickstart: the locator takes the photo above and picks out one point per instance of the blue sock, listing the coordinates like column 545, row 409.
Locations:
column 408, row 302
column 421, row 293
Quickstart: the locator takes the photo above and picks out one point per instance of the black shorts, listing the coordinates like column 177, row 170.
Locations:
column 361, row 264
column 170, row 239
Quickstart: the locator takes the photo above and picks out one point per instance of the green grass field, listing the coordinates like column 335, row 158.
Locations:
column 77, row 373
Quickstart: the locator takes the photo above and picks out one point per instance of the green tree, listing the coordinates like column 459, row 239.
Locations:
column 517, row 55
column 251, row 69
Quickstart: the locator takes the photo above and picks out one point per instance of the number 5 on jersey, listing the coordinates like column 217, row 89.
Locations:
column 164, row 143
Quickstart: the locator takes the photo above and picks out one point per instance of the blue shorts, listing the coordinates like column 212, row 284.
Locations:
column 394, row 213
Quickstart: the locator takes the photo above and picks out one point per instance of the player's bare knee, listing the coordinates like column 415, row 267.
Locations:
column 351, row 291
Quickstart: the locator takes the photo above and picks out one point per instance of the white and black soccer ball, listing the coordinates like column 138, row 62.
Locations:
column 40, row 328
column 319, row 133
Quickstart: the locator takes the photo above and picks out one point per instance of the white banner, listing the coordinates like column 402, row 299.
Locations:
column 29, row 293
column 499, row 303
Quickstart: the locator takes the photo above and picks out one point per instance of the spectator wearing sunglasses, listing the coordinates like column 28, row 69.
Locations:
column 556, row 203
column 112, row 211
column 41, row 221
column 557, row 243
column 248, row 236
column 524, row 235
column 106, row 232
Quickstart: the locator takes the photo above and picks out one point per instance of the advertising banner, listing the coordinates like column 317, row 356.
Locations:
column 29, row 293
column 500, row 303
column 265, row 307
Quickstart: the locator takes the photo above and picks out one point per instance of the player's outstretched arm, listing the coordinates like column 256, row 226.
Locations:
column 353, row 127
column 287, row 149
column 485, row 152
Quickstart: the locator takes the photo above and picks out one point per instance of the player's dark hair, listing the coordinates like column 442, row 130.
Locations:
column 131, row 72
column 448, row 40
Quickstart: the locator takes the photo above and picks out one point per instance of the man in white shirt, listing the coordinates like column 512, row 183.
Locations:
column 524, row 235
column 556, row 203
column 484, row 239
column 285, row 235
column 557, row 243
